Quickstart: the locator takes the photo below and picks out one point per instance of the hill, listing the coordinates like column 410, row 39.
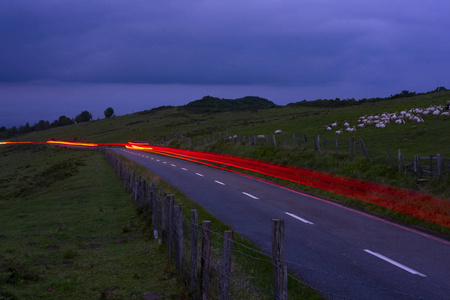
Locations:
column 208, row 127
column 210, row 104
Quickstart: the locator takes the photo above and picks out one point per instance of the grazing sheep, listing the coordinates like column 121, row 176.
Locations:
column 279, row 131
column 329, row 128
column 339, row 131
column 334, row 124
column 260, row 136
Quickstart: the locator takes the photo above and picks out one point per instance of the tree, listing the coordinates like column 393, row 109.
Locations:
column 109, row 112
column 63, row 121
column 25, row 129
column 41, row 125
column 85, row 116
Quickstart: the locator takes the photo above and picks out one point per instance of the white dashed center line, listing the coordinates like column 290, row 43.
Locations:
column 219, row 182
column 184, row 169
column 164, row 162
column 173, row 165
column 399, row 265
column 250, row 195
column 298, row 218
column 201, row 175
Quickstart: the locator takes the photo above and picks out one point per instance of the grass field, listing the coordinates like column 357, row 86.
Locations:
column 166, row 125
column 69, row 231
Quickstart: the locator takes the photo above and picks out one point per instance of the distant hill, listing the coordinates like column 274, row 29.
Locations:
column 210, row 104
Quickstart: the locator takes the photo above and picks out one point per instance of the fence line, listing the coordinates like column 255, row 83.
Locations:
column 213, row 265
column 421, row 167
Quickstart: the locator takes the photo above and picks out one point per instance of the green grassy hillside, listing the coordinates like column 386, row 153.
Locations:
column 184, row 127
column 157, row 124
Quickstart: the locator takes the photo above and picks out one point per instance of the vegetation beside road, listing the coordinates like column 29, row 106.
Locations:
column 191, row 125
column 70, row 231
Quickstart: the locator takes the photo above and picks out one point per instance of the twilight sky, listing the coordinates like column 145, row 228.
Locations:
column 59, row 57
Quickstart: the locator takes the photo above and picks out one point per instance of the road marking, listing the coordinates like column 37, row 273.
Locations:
column 157, row 160
column 152, row 158
column 164, row 162
column 184, row 169
column 201, row 175
column 173, row 165
column 216, row 181
column 298, row 218
column 250, row 195
column 395, row 263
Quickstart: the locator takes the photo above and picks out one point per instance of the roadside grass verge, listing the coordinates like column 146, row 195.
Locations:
column 70, row 231
column 251, row 265
column 343, row 164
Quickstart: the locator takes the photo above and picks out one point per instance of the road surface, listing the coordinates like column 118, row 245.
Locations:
column 335, row 249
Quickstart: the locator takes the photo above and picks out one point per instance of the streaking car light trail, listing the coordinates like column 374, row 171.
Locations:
column 72, row 143
column 424, row 206
column 421, row 205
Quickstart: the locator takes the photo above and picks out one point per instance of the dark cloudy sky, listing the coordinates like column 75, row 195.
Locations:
column 59, row 57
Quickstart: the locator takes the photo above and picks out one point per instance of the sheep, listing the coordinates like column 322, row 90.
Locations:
column 329, row 128
column 339, row 131
column 346, row 124
column 446, row 113
column 279, row 131
column 260, row 136
column 334, row 124
column 348, row 129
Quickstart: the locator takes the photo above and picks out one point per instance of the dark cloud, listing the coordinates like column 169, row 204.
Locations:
column 347, row 46
column 216, row 42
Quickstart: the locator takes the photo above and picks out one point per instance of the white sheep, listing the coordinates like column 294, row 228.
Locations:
column 279, row 131
column 339, row 131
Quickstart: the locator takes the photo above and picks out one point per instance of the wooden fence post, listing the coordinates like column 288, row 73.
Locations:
column 279, row 260
column 399, row 161
column 154, row 206
column 194, row 249
column 179, row 253
column 354, row 146
column 206, row 250
column 318, row 144
column 226, row 265
column 363, row 147
column 170, row 225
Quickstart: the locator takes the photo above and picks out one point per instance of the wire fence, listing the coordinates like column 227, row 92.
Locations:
column 214, row 265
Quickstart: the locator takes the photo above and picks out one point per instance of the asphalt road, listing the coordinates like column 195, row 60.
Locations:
column 338, row 250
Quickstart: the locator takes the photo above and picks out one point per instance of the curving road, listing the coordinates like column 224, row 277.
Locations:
column 335, row 249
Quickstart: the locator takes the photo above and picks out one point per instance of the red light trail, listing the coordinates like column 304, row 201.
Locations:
column 428, row 207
